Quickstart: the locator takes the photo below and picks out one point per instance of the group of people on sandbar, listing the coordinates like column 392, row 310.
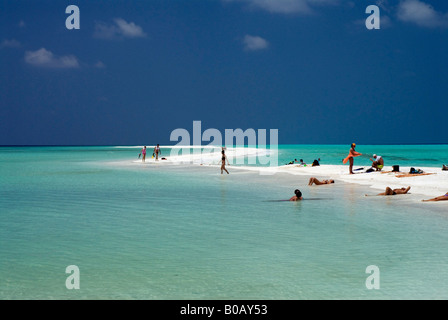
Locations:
column 155, row 153
column 301, row 163
column 378, row 164
column 377, row 161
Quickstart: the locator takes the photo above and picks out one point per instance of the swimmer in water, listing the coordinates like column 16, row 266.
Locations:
column 318, row 183
column 297, row 196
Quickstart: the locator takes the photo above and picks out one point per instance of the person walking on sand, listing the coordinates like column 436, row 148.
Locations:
column 143, row 153
column 223, row 162
column 157, row 151
column 441, row 198
column 318, row 183
column 351, row 155
column 297, row 196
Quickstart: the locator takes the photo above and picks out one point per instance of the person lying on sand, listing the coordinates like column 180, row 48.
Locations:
column 297, row 196
column 441, row 198
column 318, row 183
column 391, row 192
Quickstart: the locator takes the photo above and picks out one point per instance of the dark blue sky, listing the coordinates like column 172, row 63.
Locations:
column 137, row 70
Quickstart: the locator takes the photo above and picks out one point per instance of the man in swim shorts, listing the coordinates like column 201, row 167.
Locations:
column 377, row 162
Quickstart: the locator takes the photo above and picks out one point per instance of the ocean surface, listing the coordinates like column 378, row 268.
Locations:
column 161, row 231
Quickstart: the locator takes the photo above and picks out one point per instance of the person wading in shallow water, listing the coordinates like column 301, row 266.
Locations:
column 223, row 162
column 143, row 154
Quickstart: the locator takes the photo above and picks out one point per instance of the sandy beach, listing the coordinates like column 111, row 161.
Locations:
column 432, row 183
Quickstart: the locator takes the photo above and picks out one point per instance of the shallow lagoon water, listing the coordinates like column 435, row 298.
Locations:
column 186, row 232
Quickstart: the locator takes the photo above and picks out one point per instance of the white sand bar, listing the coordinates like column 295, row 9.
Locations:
column 433, row 183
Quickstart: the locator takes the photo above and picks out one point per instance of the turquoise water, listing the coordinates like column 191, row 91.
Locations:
column 186, row 232
column 404, row 155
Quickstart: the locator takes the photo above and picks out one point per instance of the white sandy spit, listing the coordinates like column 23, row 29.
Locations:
column 431, row 184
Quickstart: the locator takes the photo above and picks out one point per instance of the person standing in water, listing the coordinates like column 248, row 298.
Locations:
column 157, row 151
column 223, row 162
column 351, row 155
column 143, row 152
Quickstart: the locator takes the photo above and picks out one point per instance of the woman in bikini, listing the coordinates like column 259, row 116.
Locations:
column 143, row 154
column 318, row 183
column 352, row 153
column 442, row 198
column 391, row 192
column 223, row 162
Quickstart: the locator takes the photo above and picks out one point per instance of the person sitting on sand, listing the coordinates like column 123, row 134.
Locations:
column 444, row 168
column 377, row 162
column 297, row 196
column 318, row 183
column 441, row 198
column 316, row 163
column 391, row 192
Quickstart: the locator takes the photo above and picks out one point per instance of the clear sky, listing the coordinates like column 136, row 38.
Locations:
column 137, row 70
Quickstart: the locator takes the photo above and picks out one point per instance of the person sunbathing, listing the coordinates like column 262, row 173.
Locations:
column 391, row 192
column 318, row 183
column 441, row 198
